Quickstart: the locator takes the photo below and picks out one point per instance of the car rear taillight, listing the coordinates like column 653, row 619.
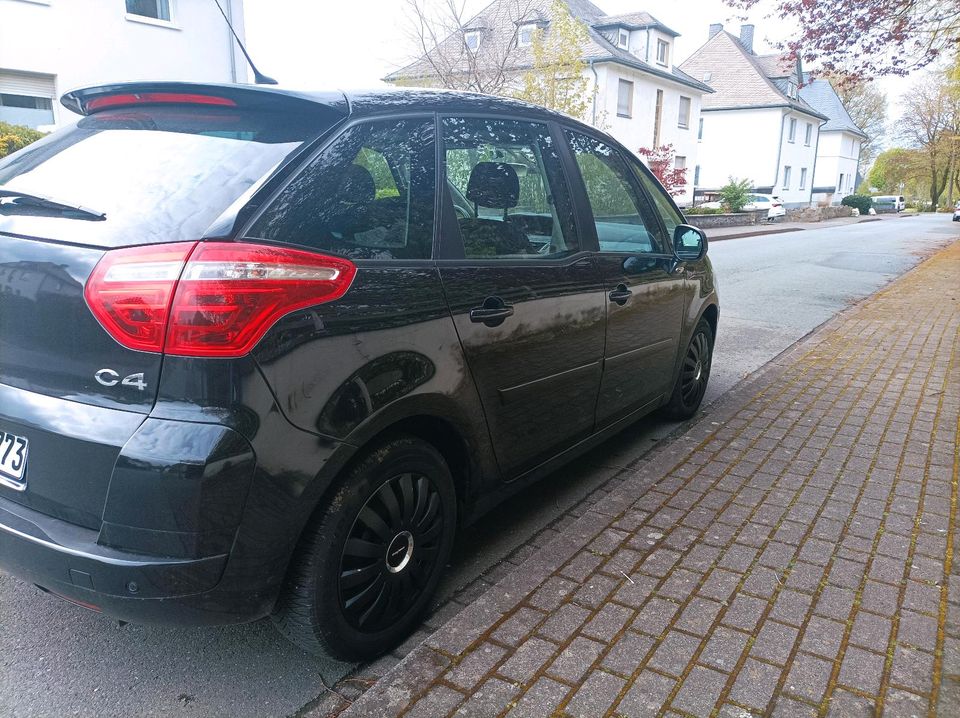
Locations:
column 208, row 299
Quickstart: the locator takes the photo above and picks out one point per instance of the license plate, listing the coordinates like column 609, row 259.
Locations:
column 13, row 460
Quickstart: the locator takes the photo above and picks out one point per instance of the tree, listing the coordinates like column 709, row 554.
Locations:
column 441, row 32
column 931, row 124
column 661, row 161
column 15, row 137
column 735, row 195
column 867, row 106
column 866, row 38
column 557, row 79
column 896, row 169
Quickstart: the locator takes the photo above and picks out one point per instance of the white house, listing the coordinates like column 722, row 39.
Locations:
column 755, row 124
column 48, row 47
column 838, row 153
column 637, row 93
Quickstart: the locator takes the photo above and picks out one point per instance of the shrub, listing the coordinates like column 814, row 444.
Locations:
column 735, row 194
column 702, row 210
column 15, row 137
column 859, row 202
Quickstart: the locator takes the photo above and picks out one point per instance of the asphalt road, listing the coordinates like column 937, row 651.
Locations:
column 60, row 660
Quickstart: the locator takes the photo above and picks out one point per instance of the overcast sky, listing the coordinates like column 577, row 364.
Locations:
column 350, row 44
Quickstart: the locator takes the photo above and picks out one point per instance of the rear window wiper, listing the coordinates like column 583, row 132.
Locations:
column 26, row 203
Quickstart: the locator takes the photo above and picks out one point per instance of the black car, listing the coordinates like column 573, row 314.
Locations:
column 262, row 352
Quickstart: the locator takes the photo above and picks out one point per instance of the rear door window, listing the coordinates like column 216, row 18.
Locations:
column 159, row 174
column 508, row 189
column 368, row 195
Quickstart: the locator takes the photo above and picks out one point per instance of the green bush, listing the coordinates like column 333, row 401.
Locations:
column 702, row 210
column 15, row 137
column 735, row 194
column 859, row 202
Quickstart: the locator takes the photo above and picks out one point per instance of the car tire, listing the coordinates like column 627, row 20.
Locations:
column 369, row 562
column 694, row 374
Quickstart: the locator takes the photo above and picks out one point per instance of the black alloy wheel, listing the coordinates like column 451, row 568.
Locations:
column 390, row 552
column 694, row 374
column 370, row 560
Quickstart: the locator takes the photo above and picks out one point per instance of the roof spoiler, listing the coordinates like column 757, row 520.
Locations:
column 89, row 100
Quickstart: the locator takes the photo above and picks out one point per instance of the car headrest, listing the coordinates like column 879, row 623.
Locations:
column 356, row 185
column 494, row 184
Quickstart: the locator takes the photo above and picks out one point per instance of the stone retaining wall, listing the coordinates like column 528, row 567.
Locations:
column 738, row 219
column 817, row 214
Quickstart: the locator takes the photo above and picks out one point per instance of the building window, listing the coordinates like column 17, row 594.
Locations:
column 808, row 135
column 683, row 121
column 663, row 52
column 156, row 9
column 658, row 115
column 803, row 178
column 625, row 98
column 707, row 76
column 791, row 90
column 680, row 162
column 623, row 39
column 525, row 34
column 792, row 134
column 840, row 183
column 696, row 175
column 786, row 177
column 472, row 40
column 700, row 129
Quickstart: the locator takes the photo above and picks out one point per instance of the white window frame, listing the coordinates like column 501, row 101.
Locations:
column 663, row 58
column 680, row 162
column 474, row 34
column 700, row 130
column 787, row 172
column 840, row 183
column 792, row 132
column 621, row 83
column 808, row 134
column 623, row 38
column 529, row 28
column 684, row 122
column 803, row 178
column 158, row 22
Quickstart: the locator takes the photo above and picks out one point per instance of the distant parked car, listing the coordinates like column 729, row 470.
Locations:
column 757, row 201
column 956, row 213
column 897, row 202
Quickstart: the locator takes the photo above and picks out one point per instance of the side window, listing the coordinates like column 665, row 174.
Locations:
column 665, row 207
column 507, row 186
column 624, row 221
column 368, row 195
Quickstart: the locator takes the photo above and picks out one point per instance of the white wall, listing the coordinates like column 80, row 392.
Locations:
column 839, row 153
column 797, row 155
column 748, row 144
column 89, row 42
column 740, row 144
column 637, row 131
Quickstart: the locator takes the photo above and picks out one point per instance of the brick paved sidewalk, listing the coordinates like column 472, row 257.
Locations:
column 792, row 554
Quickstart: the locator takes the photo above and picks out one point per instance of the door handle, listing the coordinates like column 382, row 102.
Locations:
column 620, row 295
column 492, row 313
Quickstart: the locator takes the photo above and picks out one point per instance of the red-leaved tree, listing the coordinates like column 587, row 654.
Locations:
column 867, row 38
column 662, row 162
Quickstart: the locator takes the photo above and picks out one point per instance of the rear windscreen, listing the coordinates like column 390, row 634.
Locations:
column 159, row 174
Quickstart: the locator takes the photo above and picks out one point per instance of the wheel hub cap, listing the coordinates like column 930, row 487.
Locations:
column 399, row 552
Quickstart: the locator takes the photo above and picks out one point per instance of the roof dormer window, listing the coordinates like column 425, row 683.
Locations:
column 623, row 39
column 663, row 52
column 525, row 34
column 471, row 38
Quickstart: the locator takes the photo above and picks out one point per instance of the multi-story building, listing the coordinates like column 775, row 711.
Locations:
column 755, row 125
column 838, row 152
column 48, row 47
column 636, row 91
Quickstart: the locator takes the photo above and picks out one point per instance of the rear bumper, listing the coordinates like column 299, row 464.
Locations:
column 66, row 560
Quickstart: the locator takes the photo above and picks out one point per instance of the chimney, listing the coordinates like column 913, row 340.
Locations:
column 746, row 37
column 714, row 29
